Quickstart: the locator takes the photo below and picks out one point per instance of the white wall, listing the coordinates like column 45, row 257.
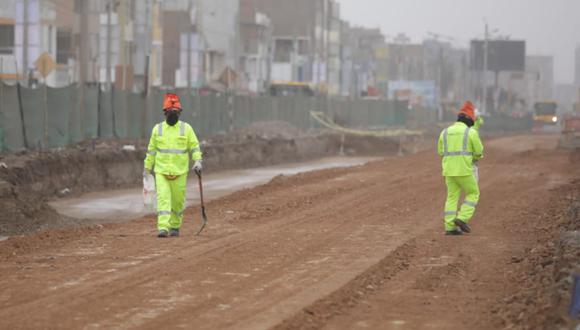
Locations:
column 220, row 20
column 282, row 71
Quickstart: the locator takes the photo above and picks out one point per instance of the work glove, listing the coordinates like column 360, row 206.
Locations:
column 478, row 123
column 197, row 167
column 147, row 172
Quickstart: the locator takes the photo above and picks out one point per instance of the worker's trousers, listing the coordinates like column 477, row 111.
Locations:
column 170, row 201
column 455, row 186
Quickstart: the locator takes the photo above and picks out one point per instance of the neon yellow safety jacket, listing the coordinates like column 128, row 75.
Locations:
column 169, row 149
column 459, row 146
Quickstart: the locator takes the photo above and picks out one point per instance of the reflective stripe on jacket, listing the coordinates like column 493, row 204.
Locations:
column 169, row 149
column 459, row 145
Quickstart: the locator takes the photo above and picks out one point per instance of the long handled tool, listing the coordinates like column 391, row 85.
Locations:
column 203, row 216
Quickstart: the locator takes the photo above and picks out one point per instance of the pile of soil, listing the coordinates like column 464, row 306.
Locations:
column 29, row 179
column 544, row 271
column 269, row 130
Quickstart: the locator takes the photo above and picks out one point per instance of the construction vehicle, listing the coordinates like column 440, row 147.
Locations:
column 570, row 137
column 545, row 113
column 290, row 88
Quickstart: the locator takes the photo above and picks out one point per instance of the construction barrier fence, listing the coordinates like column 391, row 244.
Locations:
column 48, row 117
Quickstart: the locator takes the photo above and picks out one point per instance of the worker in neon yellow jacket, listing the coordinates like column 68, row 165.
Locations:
column 478, row 123
column 460, row 146
column 172, row 141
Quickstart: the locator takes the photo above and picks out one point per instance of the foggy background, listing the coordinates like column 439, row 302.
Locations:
column 427, row 53
column 550, row 27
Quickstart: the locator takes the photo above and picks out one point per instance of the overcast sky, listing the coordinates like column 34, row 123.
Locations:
column 550, row 27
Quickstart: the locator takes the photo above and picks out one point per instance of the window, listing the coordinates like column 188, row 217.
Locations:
column 284, row 50
column 64, row 49
column 6, row 39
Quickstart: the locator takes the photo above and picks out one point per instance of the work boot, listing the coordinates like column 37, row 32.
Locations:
column 163, row 234
column 455, row 232
column 174, row 232
column 464, row 227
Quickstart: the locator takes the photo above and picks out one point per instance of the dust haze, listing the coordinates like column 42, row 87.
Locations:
column 549, row 27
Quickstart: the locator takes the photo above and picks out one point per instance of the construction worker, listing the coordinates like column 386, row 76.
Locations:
column 460, row 146
column 168, row 155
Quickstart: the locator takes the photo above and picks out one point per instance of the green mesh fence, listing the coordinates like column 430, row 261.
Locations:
column 2, row 122
column 136, row 115
column 74, row 116
column 71, row 118
column 90, row 113
column 106, row 116
column 58, row 107
column 120, row 110
column 11, row 121
column 154, row 109
column 196, row 116
column 242, row 111
column 33, row 104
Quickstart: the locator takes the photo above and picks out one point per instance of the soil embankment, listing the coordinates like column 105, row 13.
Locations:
column 30, row 179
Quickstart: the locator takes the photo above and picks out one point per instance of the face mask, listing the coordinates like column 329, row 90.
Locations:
column 172, row 118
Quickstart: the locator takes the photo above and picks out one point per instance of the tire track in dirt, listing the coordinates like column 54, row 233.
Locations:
column 67, row 304
column 453, row 283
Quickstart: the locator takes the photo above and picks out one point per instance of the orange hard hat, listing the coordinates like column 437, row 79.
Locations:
column 171, row 102
column 468, row 110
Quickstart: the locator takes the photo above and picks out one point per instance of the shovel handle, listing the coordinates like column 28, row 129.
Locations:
column 203, row 215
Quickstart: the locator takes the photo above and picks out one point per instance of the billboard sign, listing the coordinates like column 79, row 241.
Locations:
column 503, row 55
column 418, row 93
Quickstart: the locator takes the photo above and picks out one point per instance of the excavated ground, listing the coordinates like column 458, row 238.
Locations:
column 29, row 179
column 356, row 248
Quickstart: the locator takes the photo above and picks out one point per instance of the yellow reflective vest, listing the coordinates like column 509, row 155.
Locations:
column 459, row 146
column 169, row 149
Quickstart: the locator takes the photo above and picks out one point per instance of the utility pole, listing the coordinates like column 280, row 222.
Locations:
column 440, row 82
column 148, row 38
column 189, row 35
column 83, row 42
column 329, row 10
column 237, row 41
column 270, row 55
column 25, row 42
column 83, row 61
column 201, row 41
column 320, row 43
column 108, row 55
column 122, row 23
column 485, row 65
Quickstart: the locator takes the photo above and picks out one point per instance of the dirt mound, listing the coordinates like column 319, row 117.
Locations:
column 35, row 177
column 316, row 315
column 29, row 179
column 544, row 271
column 28, row 215
column 269, row 130
column 66, row 171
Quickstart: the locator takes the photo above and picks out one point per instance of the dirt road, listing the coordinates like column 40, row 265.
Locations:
column 337, row 249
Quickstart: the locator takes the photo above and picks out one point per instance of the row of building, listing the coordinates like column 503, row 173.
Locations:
column 241, row 45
